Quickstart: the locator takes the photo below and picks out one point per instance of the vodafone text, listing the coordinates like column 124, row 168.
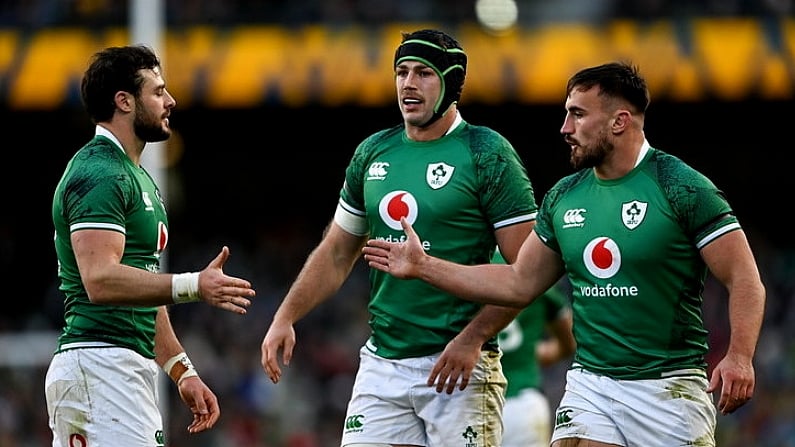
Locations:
column 426, row 245
column 608, row 291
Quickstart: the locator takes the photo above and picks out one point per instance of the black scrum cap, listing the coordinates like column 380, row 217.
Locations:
column 444, row 55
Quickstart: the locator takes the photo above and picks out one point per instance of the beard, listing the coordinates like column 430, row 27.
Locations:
column 591, row 155
column 147, row 127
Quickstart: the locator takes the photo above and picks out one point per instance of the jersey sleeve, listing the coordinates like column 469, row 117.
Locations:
column 544, row 227
column 350, row 214
column 702, row 209
column 507, row 189
column 97, row 193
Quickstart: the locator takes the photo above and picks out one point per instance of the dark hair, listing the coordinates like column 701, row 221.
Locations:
column 615, row 79
column 112, row 70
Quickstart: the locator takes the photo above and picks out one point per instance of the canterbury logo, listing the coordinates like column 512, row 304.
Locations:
column 563, row 417
column 377, row 170
column 354, row 422
column 574, row 218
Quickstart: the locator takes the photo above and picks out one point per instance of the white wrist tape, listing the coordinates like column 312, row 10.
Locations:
column 186, row 374
column 179, row 368
column 185, row 287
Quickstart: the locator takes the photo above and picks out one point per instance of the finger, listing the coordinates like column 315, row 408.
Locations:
column 243, row 286
column 441, row 381
column 195, row 425
column 464, row 381
column 407, row 227
column 274, row 373
column 714, row 381
column 214, row 413
column 433, row 376
column 451, row 383
column 376, row 247
column 377, row 264
column 287, row 352
column 372, row 249
column 231, row 307
column 237, row 299
column 200, row 423
column 271, row 365
column 726, row 400
column 220, row 260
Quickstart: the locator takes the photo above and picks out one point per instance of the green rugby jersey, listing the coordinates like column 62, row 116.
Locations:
column 101, row 188
column 631, row 251
column 455, row 191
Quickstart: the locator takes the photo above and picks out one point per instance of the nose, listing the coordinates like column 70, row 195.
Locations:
column 172, row 102
column 409, row 80
column 567, row 127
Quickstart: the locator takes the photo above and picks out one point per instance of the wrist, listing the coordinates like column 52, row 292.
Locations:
column 179, row 368
column 185, row 287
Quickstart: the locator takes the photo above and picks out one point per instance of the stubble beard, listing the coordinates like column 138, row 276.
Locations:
column 148, row 127
column 592, row 155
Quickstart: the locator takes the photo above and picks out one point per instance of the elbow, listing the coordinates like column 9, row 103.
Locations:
column 515, row 300
column 98, row 291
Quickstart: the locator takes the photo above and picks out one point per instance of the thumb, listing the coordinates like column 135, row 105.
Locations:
column 714, row 381
column 220, row 260
column 407, row 228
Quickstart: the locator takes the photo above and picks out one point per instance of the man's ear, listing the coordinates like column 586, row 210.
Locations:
column 621, row 121
column 124, row 101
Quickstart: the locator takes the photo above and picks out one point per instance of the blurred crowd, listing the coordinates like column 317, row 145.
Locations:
column 40, row 13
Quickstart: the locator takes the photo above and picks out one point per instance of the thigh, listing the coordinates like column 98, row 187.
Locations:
column 473, row 414
column 635, row 413
column 103, row 396
column 666, row 412
column 584, row 416
column 380, row 410
column 391, row 403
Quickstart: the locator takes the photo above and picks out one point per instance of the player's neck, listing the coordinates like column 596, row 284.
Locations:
column 130, row 143
column 435, row 130
column 624, row 157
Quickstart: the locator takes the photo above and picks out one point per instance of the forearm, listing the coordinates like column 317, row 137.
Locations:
column 746, row 312
column 169, row 353
column 321, row 277
column 731, row 261
column 473, row 282
column 487, row 324
column 167, row 344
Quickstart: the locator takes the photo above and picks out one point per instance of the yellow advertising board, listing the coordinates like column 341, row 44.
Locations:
column 247, row 66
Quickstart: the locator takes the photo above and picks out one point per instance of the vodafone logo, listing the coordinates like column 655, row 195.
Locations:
column 395, row 205
column 602, row 257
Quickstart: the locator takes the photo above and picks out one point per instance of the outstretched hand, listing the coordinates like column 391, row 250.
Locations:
column 223, row 291
column 400, row 259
